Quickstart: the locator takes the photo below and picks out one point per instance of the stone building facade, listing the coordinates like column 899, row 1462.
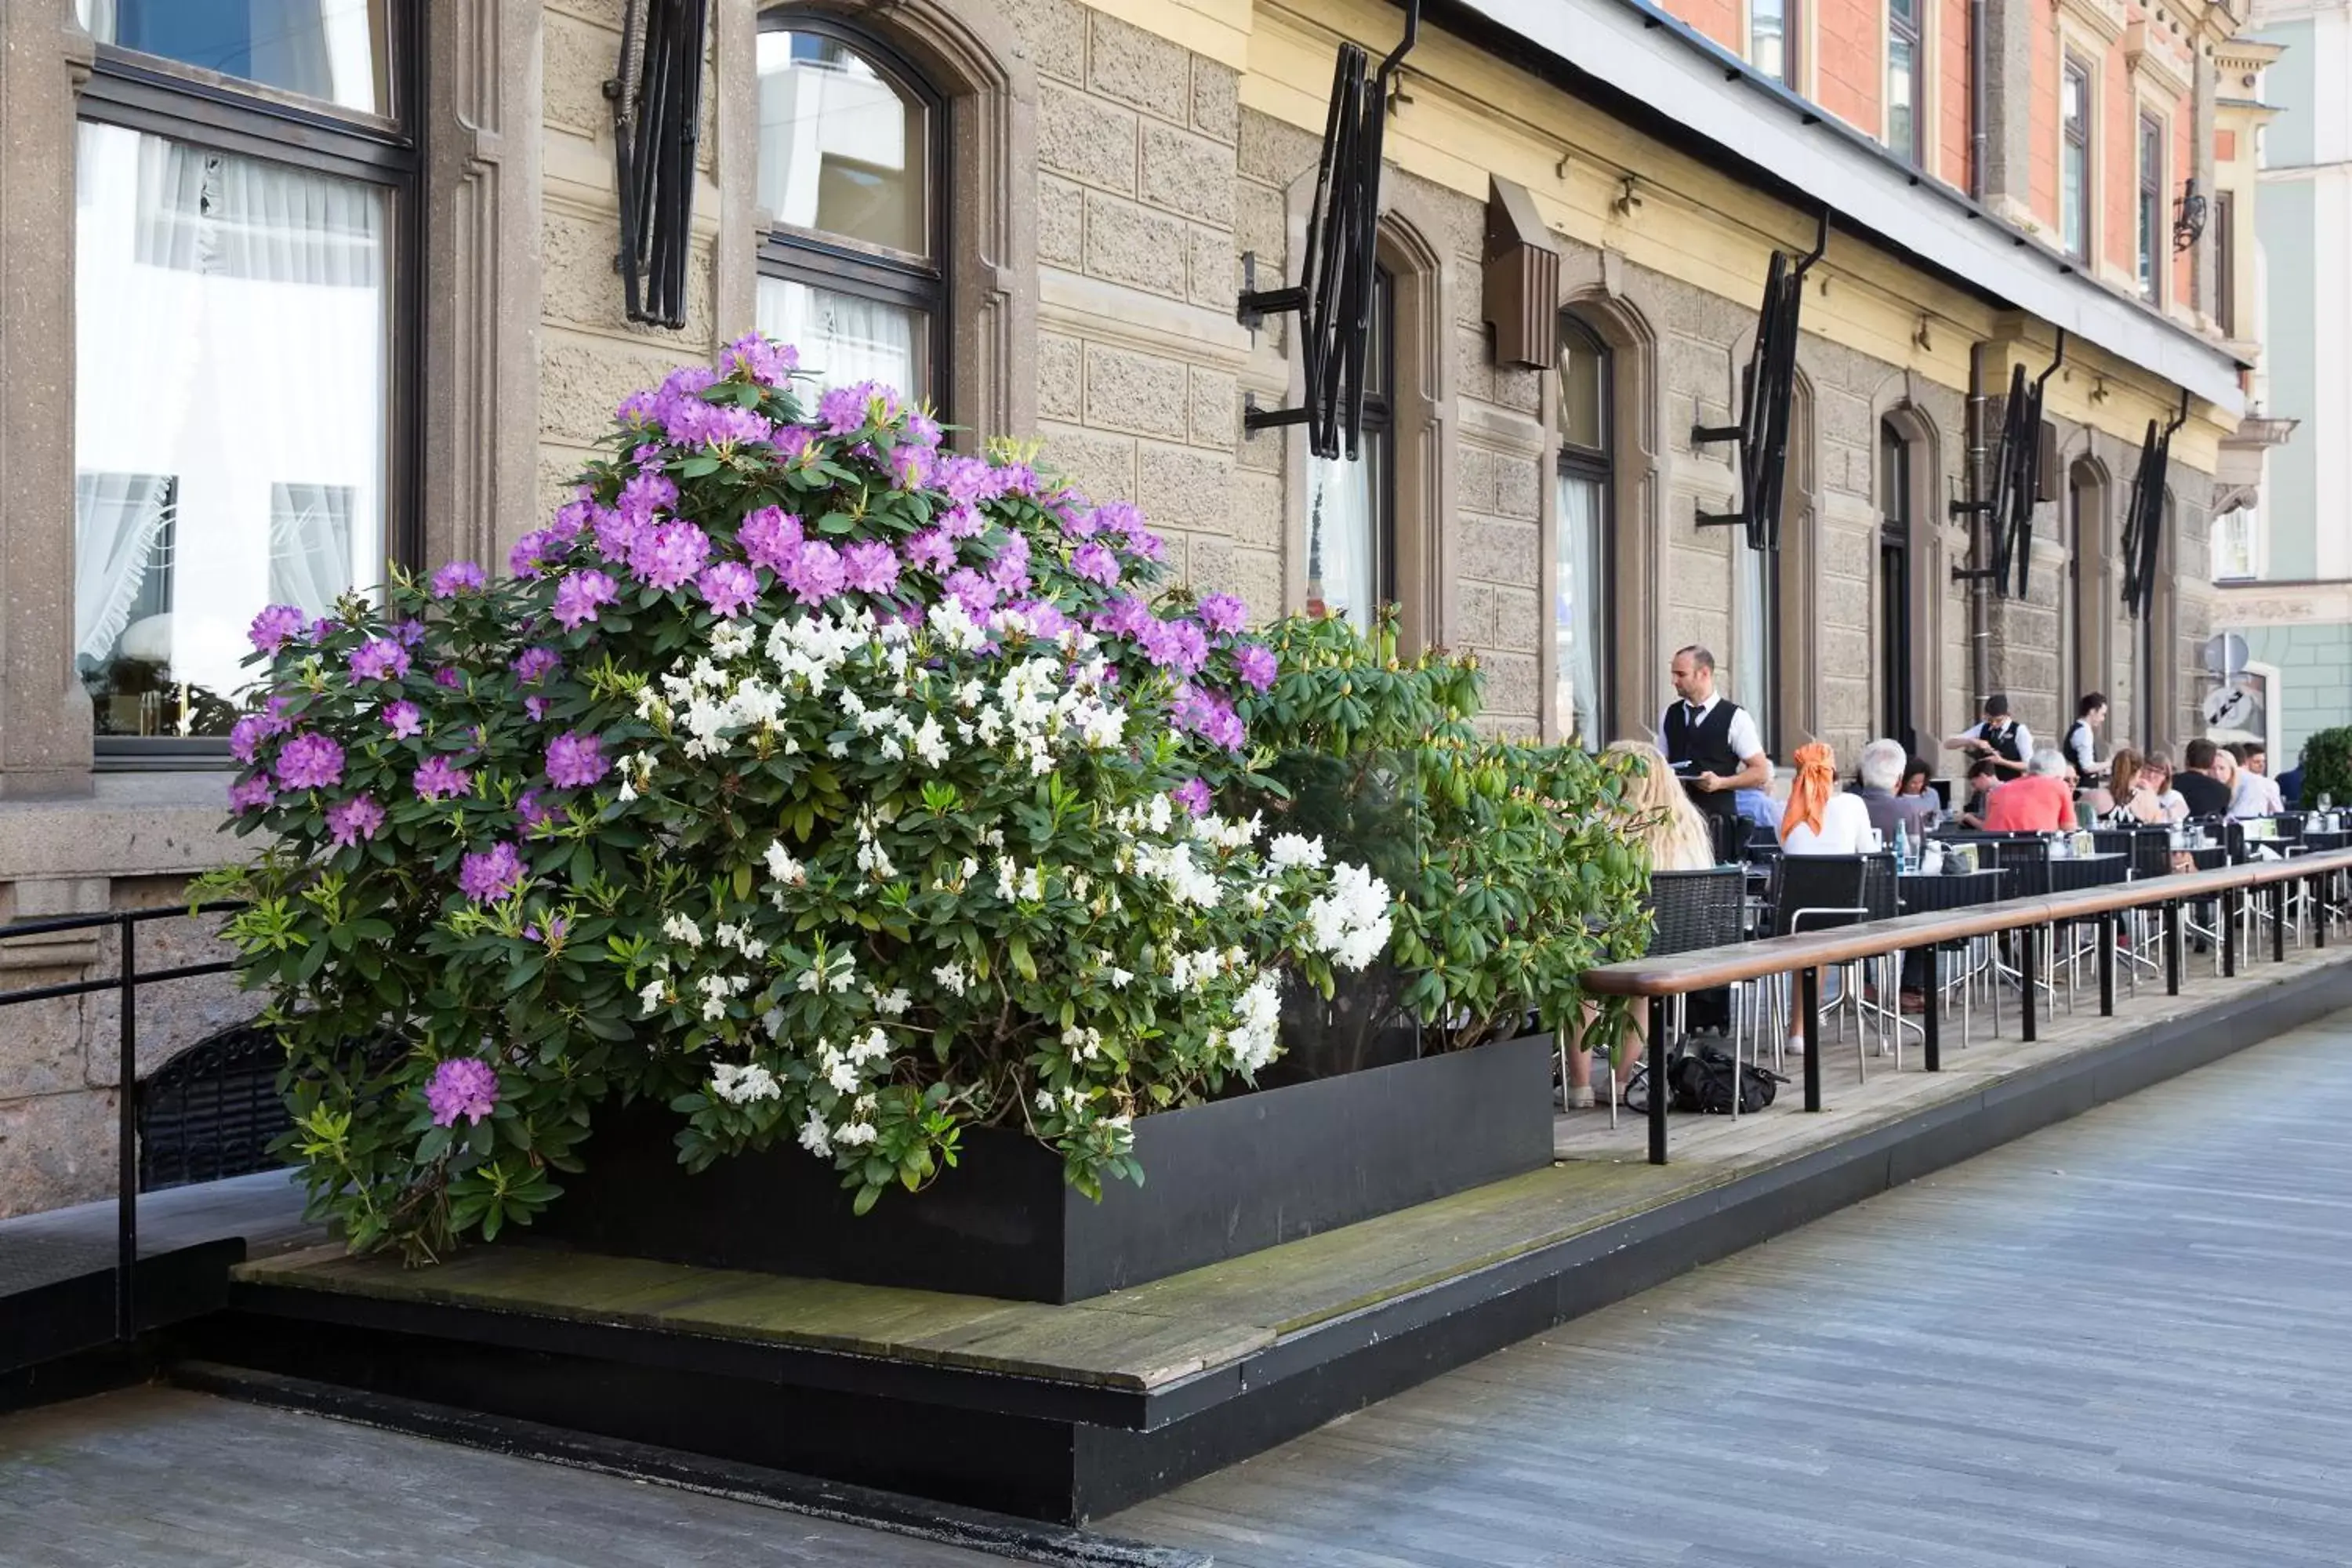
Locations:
column 1094, row 174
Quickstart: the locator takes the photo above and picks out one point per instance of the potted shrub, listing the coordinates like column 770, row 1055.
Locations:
column 809, row 805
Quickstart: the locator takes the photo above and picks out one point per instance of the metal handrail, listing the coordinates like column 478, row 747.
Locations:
column 1656, row 980
column 125, row 981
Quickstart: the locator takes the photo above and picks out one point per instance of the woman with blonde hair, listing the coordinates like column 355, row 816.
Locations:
column 1657, row 815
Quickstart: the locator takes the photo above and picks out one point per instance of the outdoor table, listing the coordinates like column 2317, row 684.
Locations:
column 1932, row 892
column 2314, row 841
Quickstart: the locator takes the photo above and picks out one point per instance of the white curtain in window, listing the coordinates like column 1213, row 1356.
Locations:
column 229, row 332
column 240, row 217
column 117, row 517
column 1342, row 524
column 310, row 545
column 1579, row 621
column 846, row 339
column 1752, row 660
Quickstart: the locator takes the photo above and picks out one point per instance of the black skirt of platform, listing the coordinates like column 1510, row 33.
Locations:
column 1221, row 1180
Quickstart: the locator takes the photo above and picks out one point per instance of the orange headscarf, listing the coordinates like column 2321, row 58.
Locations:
column 1816, row 779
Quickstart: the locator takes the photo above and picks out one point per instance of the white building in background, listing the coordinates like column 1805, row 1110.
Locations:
column 2284, row 572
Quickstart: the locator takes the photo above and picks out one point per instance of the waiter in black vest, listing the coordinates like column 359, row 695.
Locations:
column 1996, row 737
column 1712, row 745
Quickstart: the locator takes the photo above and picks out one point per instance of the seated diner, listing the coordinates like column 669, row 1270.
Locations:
column 2039, row 801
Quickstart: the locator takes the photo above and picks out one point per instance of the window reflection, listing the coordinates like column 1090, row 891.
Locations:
column 332, row 50
column 841, row 144
column 249, row 469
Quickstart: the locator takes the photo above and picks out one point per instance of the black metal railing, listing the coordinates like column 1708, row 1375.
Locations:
column 1658, row 979
column 178, row 1095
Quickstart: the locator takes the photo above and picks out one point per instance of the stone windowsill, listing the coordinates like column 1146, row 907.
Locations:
column 133, row 825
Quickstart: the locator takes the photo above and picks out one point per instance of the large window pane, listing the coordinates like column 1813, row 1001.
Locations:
column 1580, row 623
column 1902, row 92
column 1344, row 508
column 841, row 144
column 2074, row 160
column 328, row 49
column 847, row 338
column 230, row 415
column 1754, row 636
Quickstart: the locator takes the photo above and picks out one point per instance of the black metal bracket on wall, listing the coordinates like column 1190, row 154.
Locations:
column 1768, row 393
column 657, row 97
column 2144, row 521
column 1333, row 297
column 2016, row 476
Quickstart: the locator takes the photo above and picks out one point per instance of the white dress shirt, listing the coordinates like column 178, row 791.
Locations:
column 2255, row 795
column 1745, row 740
column 1975, row 731
column 1844, row 830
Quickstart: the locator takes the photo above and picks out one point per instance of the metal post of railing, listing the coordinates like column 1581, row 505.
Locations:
column 1659, row 1094
column 1809, row 997
column 2028, row 977
column 2172, row 942
column 2106, row 966
column 2314, row 893
column 126, row 1103
column 2228, row 908
column 2278, row 922
column 1931, row 1037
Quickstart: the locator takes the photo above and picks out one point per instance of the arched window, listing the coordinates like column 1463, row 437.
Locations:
column 1352, row 555
column 1898, row 719
column 1581, row 567
column 853, row 151
column 2082, row 649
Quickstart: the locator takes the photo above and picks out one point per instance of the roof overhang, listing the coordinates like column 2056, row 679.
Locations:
column 1630, row 52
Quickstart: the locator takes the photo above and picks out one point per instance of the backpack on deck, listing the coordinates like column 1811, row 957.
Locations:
column 1702, row 1079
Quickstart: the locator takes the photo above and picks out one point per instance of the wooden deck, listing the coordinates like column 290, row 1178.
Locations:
column 2107, row 1346
column 1163, row 1333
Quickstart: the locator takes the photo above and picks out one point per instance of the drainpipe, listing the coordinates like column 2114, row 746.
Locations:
column 1977, row 99
column 1979, row 553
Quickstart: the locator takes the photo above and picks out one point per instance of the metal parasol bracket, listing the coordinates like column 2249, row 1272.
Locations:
column 1767, row 393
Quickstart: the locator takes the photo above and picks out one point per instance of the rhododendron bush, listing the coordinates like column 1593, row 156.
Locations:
column 831, row 787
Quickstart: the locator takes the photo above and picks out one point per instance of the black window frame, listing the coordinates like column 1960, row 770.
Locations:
column 2153, row 231
column 1379, row 420
column 1895, row 481
column 1597, row 465
column 842, row 265
column 197, row 107
column 1911, row 29
column 2074, row 143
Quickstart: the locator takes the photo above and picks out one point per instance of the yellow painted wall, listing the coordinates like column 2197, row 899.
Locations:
column 1470, row 114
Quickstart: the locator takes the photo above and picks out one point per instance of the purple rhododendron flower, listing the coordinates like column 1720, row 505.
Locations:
column 571, row 519
column 532, row 812
column 1181, row 645
column 438, row 778
column 911, row 467
column 1224, row 613
column 497, row 872
column 536, row 663
column 931, row 549
column 1254, row 662
column 550, row 933
column 244, row 737
column 354, row 819
column 759, row 359
column 322, row 628
column 458, row 577
column 310, row 762
column 975, row 593
column 1209, row 716
column 870, row 566
column 701, row 424
column 1123, row 616
column 617, row 533
column 797, row 444
column 922, row 427
column 769, row 536
column 410, row 632
column 275, row 627
column 1044, row 618
column 965, row 478
column 462, row 1086
column 380, row 658
column 1192, row 794
column 645, row 493
column 575, row 761
column 538, row 708
column 578, row 596
column 1095, row 563
column 729, row 588
column 246, row 795
column 670, row 555
column 450, row 676
column 962, row 521
column 814, row 573
column 1081, row 526
column 845, row 409
column 406, row 719
column 533, row 552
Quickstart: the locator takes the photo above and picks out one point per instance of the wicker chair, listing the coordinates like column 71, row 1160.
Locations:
column 1691, row 911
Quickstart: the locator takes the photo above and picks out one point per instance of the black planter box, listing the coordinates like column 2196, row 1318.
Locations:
column 1220, row 1180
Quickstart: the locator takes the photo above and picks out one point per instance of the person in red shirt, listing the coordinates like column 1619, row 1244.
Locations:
column 2038, row 802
